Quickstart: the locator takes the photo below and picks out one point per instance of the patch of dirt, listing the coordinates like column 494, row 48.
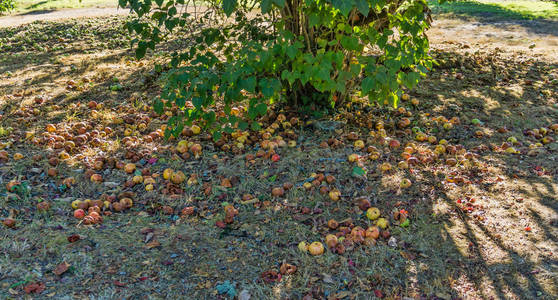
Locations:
column 534, row 38
column 55, row 15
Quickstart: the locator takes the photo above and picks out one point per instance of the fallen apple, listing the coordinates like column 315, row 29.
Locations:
column 405, row 183
column 79, row 213
column 43, row 206
column 129, row 168
column 303, row 246
column 353, row 157
column 359, row 144
column 9, row 222
column 334, row 195
column 385, row 167
column 277, row 192
column 75, row 204
column 177, row 177
column 394, row 144
column 187, row 211
column 316, row 248
column 97, row 178
column 373, row 232
column 182, row 146
column 382, row 223
column 373, row 213
column 364, row 204
column 137, row 179
column 331, row 240
column 332, row 224
column 195, row 129
column 167, row 173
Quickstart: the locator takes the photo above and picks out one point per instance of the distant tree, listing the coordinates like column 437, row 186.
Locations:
column 6, row 5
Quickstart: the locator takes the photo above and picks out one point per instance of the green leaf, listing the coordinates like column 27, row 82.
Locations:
column 242, row 125
column 229, row 6
column 313, row 20
column 197, row 102
column 261, row 109
column 265, row 5
column 362, row 6
column 350, row 43
column 217, row 135
column 269, row 87
column 141, row 49
column 405, row 223
column 367, row 85
column 358, row 171
column 158, row 106
column 248, row 84
column 256, row 126
column 344, row 6
column 292, row 51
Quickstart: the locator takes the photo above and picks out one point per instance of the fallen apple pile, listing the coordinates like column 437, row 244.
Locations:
column 398, row 146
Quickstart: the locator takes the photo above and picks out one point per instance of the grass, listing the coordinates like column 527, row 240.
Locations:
column 500, row 10
column 445, row 252
column 514, row 9
column 23, row 6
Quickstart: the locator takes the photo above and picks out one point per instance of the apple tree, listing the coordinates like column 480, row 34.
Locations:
column 302, row 53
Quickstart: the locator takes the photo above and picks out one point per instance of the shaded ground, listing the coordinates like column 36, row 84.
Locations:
column 485, row 227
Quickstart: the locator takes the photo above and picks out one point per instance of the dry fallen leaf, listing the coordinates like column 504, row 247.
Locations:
column 61, row 268
column 36, row 287
column 74, row 238
column 408, row 255
column 153, row 244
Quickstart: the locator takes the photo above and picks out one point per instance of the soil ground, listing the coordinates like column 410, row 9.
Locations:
column 57, row 15
column 484, row 228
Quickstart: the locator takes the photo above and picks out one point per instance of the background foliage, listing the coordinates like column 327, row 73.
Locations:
column 6, row 5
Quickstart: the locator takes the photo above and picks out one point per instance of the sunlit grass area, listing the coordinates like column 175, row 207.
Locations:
column 499, row 9
column 37, row 5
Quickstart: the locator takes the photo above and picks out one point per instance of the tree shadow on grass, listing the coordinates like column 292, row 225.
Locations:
column 499, row 16
column 505, row 95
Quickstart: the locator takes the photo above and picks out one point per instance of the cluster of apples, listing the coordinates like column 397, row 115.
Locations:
column 67, row 139
column 90, row 210
column 412, row 153
column 178, row 177
column 541, row 136
column 184, row 148
column 324, row 183
column 318, row 181
column 276, row 132
column 345, row 236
